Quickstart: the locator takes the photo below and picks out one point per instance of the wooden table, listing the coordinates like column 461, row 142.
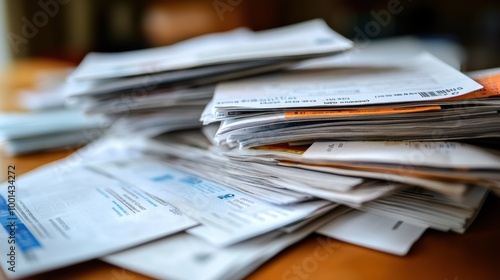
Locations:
column 437, row 255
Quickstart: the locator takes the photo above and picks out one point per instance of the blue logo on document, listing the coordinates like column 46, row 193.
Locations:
column 163, row 178
column 225, row 196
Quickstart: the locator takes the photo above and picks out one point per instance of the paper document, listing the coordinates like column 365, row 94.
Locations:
column 375, row 232
column 191, row 151
column 432, row 154
column 227, row 215
column 448, row 188
column 59, row 221
column 427, row 208
column 311, row 37
column 239, row 170
column 291, row 156
column 421, row 78
column 184, row 256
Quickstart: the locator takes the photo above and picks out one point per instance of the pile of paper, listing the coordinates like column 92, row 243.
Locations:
column 376, row 177
column 47, row 124
column 138, row 199
column 63, row 128
column 57, row 219
column 431, row 209
column 276, row 184
column 318, row 117
column 163, row 89
column 283, row 154
column 367, row 98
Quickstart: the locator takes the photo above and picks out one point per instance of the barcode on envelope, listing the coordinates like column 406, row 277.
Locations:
column 432, row 93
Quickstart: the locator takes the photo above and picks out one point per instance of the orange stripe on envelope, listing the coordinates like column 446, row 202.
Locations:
column 283, row 147
column 353, row 112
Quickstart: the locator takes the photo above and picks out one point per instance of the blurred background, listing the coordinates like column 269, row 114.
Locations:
column 68, row 29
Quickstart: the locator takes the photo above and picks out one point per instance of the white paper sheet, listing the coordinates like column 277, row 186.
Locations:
column 227, row 215
column 434, row 154
column 376, row 81
column 311, row 37
column 59, row 221
column 375, row 232
column 184, row 256
column 430, row 209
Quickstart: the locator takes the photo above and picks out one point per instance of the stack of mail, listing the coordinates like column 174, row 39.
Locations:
column 47, row 125
column 380, row 118
column 376, row 177
column 55, row 129
column 366, row 98
column 163, row 89
column 345, row 115
column 419, row 206
column 275, row 184
column 293, row 153
column 196, row 228
column 57, row 207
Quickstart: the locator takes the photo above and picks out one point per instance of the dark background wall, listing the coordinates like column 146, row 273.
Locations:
column 76, row 27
